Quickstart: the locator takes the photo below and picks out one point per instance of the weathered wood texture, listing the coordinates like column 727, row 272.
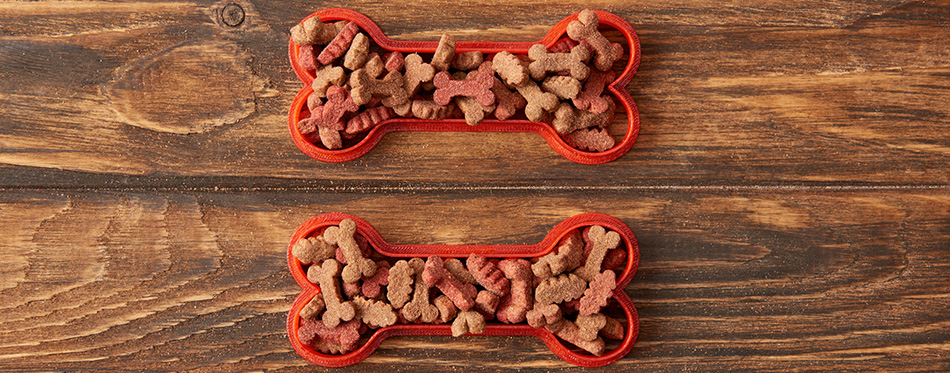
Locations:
column 789, row 189
column 728, row 279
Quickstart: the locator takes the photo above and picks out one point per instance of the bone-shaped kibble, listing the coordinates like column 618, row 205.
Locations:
column 420, row 308
column 339, row 44
column 468, row 322
column 567, row 119
column 559, row 289
column 389, row 89
column 487, row 274
column 544, row 62
column 566, row 258
column 473, row 111
column 306, row 58
column 562, row 86
column 613, row 329
column 598, row 292
column 571, row 333
column 355, row 58
column 468, row 60
column 374, row 65
column 515, row 305
column 374, row 313
column 312, row 250
column 394, row 61
column 585, row 29
column 506, row 101
column 326, row 276
column 589, row 325
column 457, row 269
column 368, row 119
column 510, row 69
column 314, row 308
column 329, row 137
column 345, row 335
column 477, row 84
column 486, row 303
column 443, row 53
column 539, row 101
column 401, row 277
column 543, row 315
column 426, row 109
column 372, row 284
column 591, row 139
column 325, row 77
column 417, row 72
column 313, row 31
column 447, row 310
column 330, row 115
column 589, row 98
column 602, row 240
column 357, row 265
column 435, row 274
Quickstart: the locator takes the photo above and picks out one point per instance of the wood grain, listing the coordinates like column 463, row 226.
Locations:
column 725, row 99
column 727, row 279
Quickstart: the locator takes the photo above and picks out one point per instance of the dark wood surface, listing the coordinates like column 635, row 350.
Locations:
column 789, row 189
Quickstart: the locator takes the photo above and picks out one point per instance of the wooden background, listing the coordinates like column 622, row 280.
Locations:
column 790, row 186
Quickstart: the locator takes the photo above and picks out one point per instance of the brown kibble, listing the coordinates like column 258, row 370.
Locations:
column 598, row 292
column 368, row 119
column 601, row 240
column 590, row 97
column 419, row 307
column 326, row 276
column 613, row 329
column 374, row 313
column 571, row 333
column 468, row 322
column 417, row 72
column 447, row 309
column 566, row 258
column 329, row 137
column 339, row 44
column 389, row 89
column 468, row 60
column 312, row 250
column 374, row 65
column 443, row 53
column 457, row 269
column 559, row 289
column 314, row 308
column 313, row 31
column 584, row 29
column 486, row 303
column 507, row 102
column 510, row 69
column 539, row 102
column 544, row 62
column 543, row 315
column 426, row 109
column 473, row 111
column 401, row 277
column 357, row 265
column 567, row 119
column 314, row 102
column 325, row 77
column 435, row 274
column 562, row 86
column 355, row 57
column 513, row 307
column 589, row 325
column 591, row 139
column 487, row 274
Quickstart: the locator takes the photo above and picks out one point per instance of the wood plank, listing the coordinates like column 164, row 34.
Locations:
column 763, row 279
column 747, row 95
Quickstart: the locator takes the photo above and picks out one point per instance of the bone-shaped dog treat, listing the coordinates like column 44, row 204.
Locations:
column 374, row 65
column 368, row 119
column 612, row 329
column 590, row 325
column 395, row 61
column 561, row 288
column 435, row 274
column 468, row 60
column 420, row 308
column 486, row 303
column 417, row 72
column 457, row 269
column 401, row 277
column 355, row 57
column 567, row 119
column 468, row 322
column 357, row 265
column 372, row 284
column 339, row 44
column 515, row 305
column 389, row 89
column 374, row 313
column 443, row 53
column 598, row 292
column 331, row 113
column 426, row 109
column 314, row 308
column 344, row 336
column 487, row 274
column 506, row 101
column 585, row 29
column 602, row 241
column 306, row 58
column 589, row 98
column 571, row 333
column 326, row 276
column 473, row 111
column 313, row 31
column 591, row 139
column 567, row 257
column 329, row 137
column 477, row 85
column 543, row 315
column 327, row 76
column 562, row 86
column 447, row 310
column 510, row 69
column 312, row 250
column 543, row 62
column 539, row 101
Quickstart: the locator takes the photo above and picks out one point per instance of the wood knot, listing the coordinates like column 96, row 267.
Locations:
column 232, row 15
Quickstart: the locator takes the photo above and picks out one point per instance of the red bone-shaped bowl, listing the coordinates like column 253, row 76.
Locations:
column 549, row 243
column 617, row 88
